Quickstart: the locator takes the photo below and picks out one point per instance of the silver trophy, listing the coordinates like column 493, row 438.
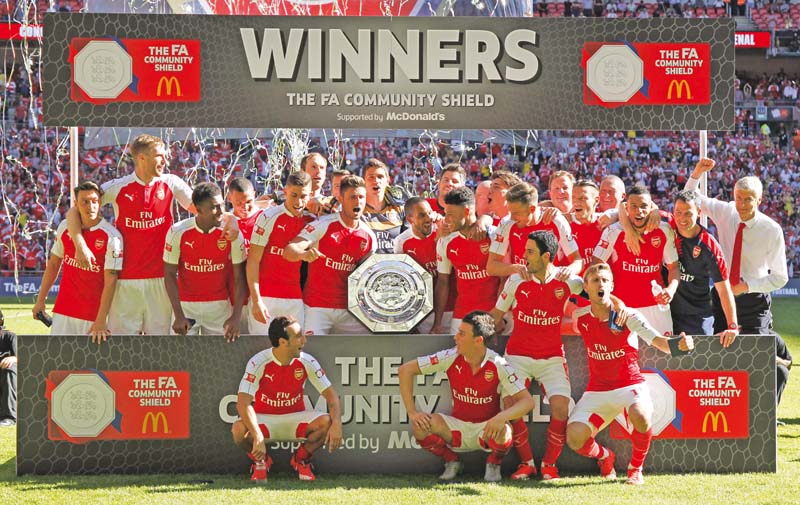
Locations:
column 390, row 293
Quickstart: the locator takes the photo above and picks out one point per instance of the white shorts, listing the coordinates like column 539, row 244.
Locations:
column 287, row 426
column 209, row 317
column 323, row 321
column 67, row 325
column 659, row 319
column 140, row 306
column 596, row 409
column 426, row 325
column 276, row 307
column 466, row 435
column 550, row 373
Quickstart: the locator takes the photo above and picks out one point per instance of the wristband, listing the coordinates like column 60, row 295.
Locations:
column 674, row 348
column 735, row 327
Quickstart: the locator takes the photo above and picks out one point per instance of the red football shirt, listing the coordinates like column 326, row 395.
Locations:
column 80, row 289
column 204, row 260
column 511, row 236
column 278, row 389
column 343, row 248
column 423, row 250
column 246, row 227
column 538, row 308
column 613, row 356
column 477, row 290
column 476, row 396
column 587, row 236
column 143, row 217
column 633, row 274
column 276, row 227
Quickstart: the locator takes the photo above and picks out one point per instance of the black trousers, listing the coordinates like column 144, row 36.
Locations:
column 753, row 310
column 780, row 381
column 8, row 393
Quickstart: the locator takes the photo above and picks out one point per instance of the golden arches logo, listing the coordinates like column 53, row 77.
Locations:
column 679, row 86
column 169, row 82
column 715, row 418
column 154, row 418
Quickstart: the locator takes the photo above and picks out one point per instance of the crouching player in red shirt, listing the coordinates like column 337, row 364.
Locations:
column 271, row 407
column 476, row 375
column 615, row 381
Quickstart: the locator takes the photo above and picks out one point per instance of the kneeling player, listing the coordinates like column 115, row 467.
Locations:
column 476, row 375
column 615, row 382
column 270, row 402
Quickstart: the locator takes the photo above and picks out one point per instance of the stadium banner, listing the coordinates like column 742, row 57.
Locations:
column 388, row 72
column 790, row 290
column 166, row 404
column 25, row 285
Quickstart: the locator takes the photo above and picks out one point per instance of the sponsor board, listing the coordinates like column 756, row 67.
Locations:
column 114, row 405
column 134, row 70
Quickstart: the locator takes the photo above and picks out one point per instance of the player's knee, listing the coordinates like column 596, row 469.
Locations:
column 438, row 425
column 559, row 407
column 640, row 420
column 576, row 436
column 505, row 436
column 238, row 430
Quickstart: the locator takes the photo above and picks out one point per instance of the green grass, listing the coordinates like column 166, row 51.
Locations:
column 729, row 489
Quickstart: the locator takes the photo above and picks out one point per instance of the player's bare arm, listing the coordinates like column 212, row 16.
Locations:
column 244, row 407
column 299, row 249
column 496, row 426
column 99, row 330
column 48, row 279
column 260, row 312
column 181, row 325
column 703, row 165
column 333, row 439
column 83, row 255
column 231, row 325
column 440, row 294
column 407, row 374
column 500, row 266
column 728, row 303
column 675, row 346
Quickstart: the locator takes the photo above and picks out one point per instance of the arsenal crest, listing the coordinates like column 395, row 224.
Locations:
column 298, row 373
column 99, row 243
column 364, row 246
column 655, row 241
column 222, row 244
column 484, row 248
column 160, row 193
column 696, row 252
column 559, row 292
column 488, row 375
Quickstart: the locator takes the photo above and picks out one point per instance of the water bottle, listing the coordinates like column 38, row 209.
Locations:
column 656, row 289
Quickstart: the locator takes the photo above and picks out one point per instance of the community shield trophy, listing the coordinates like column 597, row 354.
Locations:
column 390, row 293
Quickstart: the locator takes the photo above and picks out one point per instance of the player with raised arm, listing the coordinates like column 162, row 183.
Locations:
column 477, row 375
column 270, row 403
column 615, row 381
column 273, row 282
column 198, row 260
column 333, row 246
column 85, row 296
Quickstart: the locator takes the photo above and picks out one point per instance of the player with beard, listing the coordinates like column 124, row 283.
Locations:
column 333, row 246
column 616, row 384
column 635, row 273
column 85, row 296
column 273, row 282
column 525, row 217
column 197, row 262
column 270, row 403
column 384, row 213
column 419, row 242
column 453, row 176
column 476, row 288
column 477, row 375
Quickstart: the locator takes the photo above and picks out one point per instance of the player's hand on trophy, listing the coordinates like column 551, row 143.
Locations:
column 549, row 214
column 333, row 440
column 421, row 420
column 181, row 325
column 311, row 254
column 99, row 332
column 703, row 166
column 494, row 428
column 260, row 312
column 231, row 328
column 259, row 449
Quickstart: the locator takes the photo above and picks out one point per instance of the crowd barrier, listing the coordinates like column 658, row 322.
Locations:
column 165, row 404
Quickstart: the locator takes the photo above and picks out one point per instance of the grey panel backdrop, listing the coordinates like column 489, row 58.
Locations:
column 372, row 407
column 231, row 98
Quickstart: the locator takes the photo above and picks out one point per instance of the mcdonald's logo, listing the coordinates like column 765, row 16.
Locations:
column 675, row 85
column 715, row 422
column 169, row 82
column 155, row 417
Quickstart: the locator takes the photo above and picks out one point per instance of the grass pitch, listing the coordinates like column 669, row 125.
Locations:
column 754, row 488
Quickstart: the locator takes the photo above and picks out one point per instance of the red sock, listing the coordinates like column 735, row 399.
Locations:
column 591, row 449
column 519, row 431
column 556, row 436
column 498, row 452
column 302, row 453
column 253, row 458
column 437, row 446
column 641, row 444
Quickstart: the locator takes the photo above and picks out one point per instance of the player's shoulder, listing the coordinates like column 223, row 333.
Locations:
column 184, row 225
column 450, row 237
column 109, row 229
column 271, row 213
column 582, row 312
column 513, row 281
column 118, row 183
column 504, row 226
column 62, row 227
column 308, row 359
column 407, row 234
column 260, row 359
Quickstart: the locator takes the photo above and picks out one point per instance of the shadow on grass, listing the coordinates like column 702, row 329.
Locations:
column 165, row 484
